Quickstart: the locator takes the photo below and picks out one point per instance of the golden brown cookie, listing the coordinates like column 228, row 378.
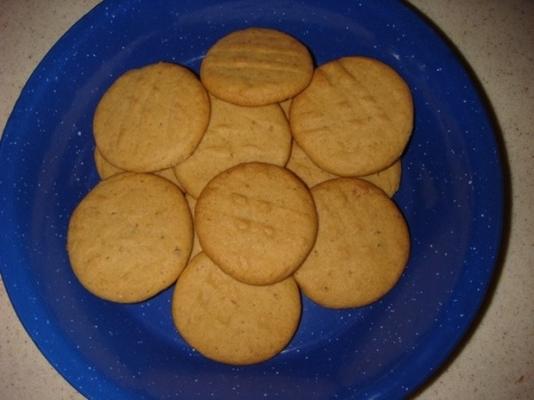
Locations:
column 236, row 135
column 196, row 244
column 285, row 107
column 257, row 222
column 105, row 169
column 151, row 118
column 130, row 237
column 355, row 118
column 256, row 66
column 388, row 180
column 230, row 321
column 362, row 245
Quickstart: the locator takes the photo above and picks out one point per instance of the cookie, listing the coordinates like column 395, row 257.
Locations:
column 285, row 107
column 130, row 237
column 106, row 170
column 388, row 180
column 151, row 118
column 232, row 322
column 256, row 66
column 257, row 222
column 362, row 245
column 355, row 118
column 196, row 244
column 236, row 135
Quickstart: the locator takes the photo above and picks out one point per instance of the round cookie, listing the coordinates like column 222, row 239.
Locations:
column 106, row 170
column 151, row 118
column 362, row 245
column 232, row 322
column 236, row 135
column 256, row 66
column 196, row 243
column 257, row 222
column 355, row 118
column 388, row 180
column 130, row 237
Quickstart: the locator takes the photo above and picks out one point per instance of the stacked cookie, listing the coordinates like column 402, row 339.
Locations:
column 267, row 150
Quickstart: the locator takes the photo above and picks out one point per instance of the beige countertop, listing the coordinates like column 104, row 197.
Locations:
column 496, row 361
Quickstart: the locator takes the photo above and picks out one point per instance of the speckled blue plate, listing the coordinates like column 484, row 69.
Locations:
column 451, row 195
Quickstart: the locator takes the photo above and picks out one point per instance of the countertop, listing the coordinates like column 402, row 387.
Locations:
column 496, row 359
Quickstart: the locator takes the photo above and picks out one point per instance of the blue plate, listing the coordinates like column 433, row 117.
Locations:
column 451, row 195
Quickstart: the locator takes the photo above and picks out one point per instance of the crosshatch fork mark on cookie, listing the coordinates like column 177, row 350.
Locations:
column 354, row 94
column 262, row 205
